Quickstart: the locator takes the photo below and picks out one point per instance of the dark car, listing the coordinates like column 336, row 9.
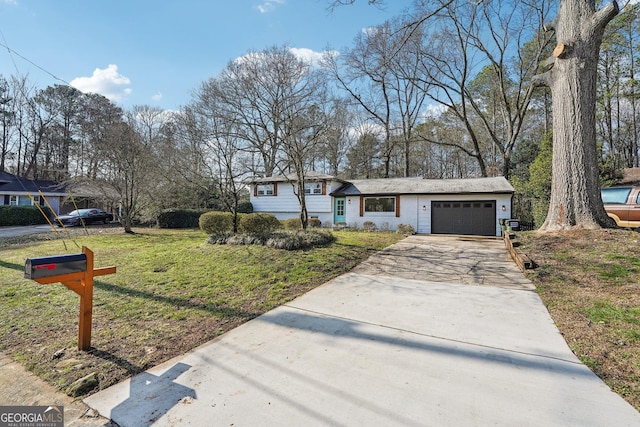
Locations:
column 88, row 216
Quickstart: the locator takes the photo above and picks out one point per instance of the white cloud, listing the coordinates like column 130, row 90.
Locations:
column 268, row 5
column 107, row 82
column 157, row 96
column 434, row 111
column 310, row 56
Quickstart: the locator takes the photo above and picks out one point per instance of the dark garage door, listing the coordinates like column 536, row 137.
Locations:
column 473, row 218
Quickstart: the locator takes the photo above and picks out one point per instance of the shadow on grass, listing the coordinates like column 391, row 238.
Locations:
column 223, row 311
column 11, row 265
column 124, row 364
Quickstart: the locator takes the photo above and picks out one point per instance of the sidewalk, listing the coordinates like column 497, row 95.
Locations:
column 441, row 331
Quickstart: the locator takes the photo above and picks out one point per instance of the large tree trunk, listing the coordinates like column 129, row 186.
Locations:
column 575, row 188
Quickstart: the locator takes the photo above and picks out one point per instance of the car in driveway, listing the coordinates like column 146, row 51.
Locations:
column 86, row 216
column 623, row 205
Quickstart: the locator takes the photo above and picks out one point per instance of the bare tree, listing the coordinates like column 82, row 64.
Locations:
column 269, row 100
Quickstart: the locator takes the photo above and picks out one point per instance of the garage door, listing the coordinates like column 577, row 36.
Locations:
column 473, row 218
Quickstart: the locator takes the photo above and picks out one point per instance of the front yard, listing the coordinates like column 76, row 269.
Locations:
column 172, row 292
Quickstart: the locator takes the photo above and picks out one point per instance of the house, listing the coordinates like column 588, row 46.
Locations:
column 15, row 191
column 431, row 206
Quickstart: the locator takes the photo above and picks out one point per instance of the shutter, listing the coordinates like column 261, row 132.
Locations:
column 6, row 199
column 275, row 188
column 255, row 190
column 324, row 188
column 397, row 206
column 361, row 205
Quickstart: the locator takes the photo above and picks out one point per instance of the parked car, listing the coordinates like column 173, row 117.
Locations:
column 623, row 205
column 88, row 216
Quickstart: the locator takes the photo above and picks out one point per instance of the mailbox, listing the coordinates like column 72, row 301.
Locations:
column 36, row 268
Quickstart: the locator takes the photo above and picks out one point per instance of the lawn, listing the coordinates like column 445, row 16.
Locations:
column 590, row 282
column 172, row 292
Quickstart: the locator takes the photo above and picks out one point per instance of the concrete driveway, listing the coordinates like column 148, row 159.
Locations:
column 432, row 331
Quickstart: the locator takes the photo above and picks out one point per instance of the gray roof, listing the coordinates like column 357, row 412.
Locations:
column 394, row 186
column 309, row 176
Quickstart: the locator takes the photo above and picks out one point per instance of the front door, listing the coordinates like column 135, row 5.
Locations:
column 339, row 210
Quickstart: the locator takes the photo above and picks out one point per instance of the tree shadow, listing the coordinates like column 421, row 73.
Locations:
column 178, row 302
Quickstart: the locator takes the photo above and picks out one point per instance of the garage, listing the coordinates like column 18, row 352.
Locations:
column 464, row 217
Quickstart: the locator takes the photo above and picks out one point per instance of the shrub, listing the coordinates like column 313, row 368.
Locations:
column 179, row 218
column 258, row 223
column 369, row 226
column 315, row 223
column 405, row 229
column 291, row 241
column 23, row 215
column 216, row 223
column 292, row 224
column 245, row 207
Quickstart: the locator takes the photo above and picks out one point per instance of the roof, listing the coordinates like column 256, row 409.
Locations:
column 395, row 186
column 309, row 176
column 12, row 184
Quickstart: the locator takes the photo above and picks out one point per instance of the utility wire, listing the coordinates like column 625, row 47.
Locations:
column 13, row 52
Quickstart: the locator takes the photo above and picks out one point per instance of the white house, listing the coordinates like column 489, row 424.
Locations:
column 431, row 206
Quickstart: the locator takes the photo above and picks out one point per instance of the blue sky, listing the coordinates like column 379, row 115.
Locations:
column 156, row 52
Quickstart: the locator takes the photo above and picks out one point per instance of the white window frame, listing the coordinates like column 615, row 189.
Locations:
column 266, row 190
column 13, row 200
column 313, row 188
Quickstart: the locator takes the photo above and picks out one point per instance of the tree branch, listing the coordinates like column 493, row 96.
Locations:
column 605, row 15
column 542, row 80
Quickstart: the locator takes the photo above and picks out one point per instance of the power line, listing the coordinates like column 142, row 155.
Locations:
column 13, row 52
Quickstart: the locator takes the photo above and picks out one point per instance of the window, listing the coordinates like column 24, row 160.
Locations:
column 313, row 188
column 266, row 190
column 615, row 195
column 380, row 204
column 13, row 200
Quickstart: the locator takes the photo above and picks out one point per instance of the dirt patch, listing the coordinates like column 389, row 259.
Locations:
column 590, row 282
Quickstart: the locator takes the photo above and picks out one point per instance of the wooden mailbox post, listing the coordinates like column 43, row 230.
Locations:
column 76, row 272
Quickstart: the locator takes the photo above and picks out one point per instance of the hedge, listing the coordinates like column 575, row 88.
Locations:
column 179, row 218
column 23, row 215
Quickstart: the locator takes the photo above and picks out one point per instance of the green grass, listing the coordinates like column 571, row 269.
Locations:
column 171, row 293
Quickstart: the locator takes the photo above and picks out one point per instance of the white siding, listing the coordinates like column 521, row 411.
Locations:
column 416, row 211
column 286, row 205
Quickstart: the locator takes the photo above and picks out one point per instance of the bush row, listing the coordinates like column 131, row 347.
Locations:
column 190, row 218
column 288, row 240
column 23, row 215
column 221, row 223
column 179, row 218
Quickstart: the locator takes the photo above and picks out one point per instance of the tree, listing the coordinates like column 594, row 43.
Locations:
column 128, row 161
column 271, row 100
column 575, row 190
column 381, row 74
column 6, row 121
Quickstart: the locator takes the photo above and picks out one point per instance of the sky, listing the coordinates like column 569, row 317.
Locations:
column 157, row 52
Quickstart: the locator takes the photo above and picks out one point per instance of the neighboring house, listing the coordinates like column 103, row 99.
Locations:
column 431, row 206
column 15, row 191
